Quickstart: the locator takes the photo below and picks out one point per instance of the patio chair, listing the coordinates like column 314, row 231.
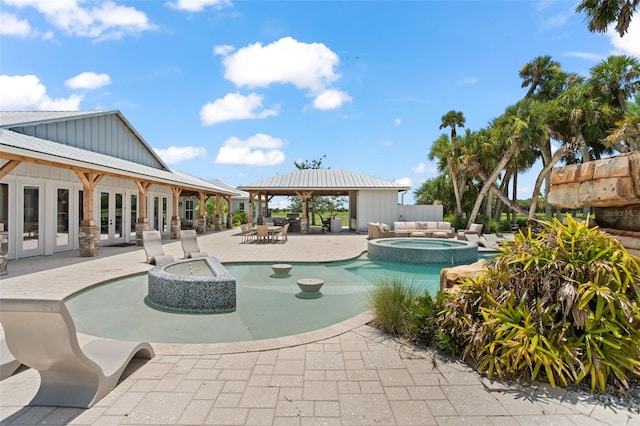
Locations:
column 262, row 234
column 152, row 242
column 282, row 233
column 248, row 232
column 8, row 363
column 41, row 334
column 189, row 240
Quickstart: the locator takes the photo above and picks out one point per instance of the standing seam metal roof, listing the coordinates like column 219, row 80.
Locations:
column 32, row 146
column 323, row 179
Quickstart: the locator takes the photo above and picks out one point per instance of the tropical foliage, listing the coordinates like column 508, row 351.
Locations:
column 588, row 117
column 563, row 306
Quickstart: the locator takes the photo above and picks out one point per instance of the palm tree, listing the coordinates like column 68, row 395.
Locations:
column 520, row 127
column 617, row 79
column 453, row 119
column 539, row 72
column 444, row 151
column 602, row 13
column 625, row 137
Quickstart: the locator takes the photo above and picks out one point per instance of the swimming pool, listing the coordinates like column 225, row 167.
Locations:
column 266, row 305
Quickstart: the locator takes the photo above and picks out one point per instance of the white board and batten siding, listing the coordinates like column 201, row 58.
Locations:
column 384, row 206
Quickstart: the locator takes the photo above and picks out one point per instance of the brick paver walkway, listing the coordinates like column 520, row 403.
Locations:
column 349, row 374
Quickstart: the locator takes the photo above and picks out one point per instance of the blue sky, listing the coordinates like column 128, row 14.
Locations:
column 238, row 91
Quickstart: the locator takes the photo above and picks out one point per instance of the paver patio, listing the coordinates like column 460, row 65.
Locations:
column 347, row 374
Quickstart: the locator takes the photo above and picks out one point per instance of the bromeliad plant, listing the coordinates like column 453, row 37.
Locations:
column 563, row 305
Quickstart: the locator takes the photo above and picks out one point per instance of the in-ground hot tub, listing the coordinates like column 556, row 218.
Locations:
column 423, row 251
column 201, row 285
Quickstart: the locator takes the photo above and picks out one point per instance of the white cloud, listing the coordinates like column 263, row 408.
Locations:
column 403, row 181
column 88, row 81
column 106, row 20
column 585, row 55
column 234, row 106
column 12, row 26
column 197, row 5
column 26, row 92
column 330, row 99
column 420, row 168
column 175, row 154
column 630, row 43
column 223, row 49
column 258, row 150
column 397, row 122
column 466, row 81
column 305, row 65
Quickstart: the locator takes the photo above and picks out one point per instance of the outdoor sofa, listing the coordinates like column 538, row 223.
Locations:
column 411, row 228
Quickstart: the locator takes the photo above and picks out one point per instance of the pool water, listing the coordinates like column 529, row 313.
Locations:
column 266, row 303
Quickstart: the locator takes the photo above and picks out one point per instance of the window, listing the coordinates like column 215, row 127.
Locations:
column 188, row 209
column 241, row 206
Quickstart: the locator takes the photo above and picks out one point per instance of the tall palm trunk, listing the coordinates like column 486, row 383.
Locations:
column 544, row 174
column 492, row 179
column 456, row 189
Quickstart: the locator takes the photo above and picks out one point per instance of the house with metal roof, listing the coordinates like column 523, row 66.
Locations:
column 370, row 199
column 84, row 179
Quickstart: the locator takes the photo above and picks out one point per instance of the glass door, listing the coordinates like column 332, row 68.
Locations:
column 111, row 217
column 31, row 243
column 64, row 230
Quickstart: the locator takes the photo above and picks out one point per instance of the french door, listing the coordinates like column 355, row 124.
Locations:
column 31, row 241
column 112, row 215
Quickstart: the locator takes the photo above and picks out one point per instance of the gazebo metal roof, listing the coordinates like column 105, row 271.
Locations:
column 321, row 182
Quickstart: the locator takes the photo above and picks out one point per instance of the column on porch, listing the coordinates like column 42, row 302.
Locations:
column 142, row 224
column 88, row 231
column 304, row 217
column 202, row 218
column 176, row 224
column 218, row 218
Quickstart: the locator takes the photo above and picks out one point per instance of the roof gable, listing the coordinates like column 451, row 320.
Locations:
column 104, row 132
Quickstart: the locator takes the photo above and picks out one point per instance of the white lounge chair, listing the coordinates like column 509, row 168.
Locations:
column 189, row 240
column 152, row 242
column 492, row 241
column 8, row 363
column 41, row 334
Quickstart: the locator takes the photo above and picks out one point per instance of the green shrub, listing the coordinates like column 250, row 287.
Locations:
column 563, row 305
column 422, row 320
column 457, row 222
column 240, row 216
column 390, row 300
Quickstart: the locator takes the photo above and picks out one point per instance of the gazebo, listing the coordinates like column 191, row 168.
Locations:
column 366, row 193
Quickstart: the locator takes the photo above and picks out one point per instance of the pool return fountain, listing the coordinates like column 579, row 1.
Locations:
column 201, row 285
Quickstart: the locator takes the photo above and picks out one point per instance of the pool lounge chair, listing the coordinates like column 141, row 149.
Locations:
column 492, row 241
column 189, row 240
column 8, row 363
column 152, row 242
column 73, row 373
column 481, row 241
column 474, row 229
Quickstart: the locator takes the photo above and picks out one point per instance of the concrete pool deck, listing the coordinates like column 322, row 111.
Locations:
column 349, row 373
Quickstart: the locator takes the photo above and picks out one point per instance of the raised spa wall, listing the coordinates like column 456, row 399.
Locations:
column 213, row 291
column 441, row 253
column 611, row 186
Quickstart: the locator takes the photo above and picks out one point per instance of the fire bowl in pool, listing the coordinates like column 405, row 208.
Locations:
column 422, row 251
column 201, row 285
